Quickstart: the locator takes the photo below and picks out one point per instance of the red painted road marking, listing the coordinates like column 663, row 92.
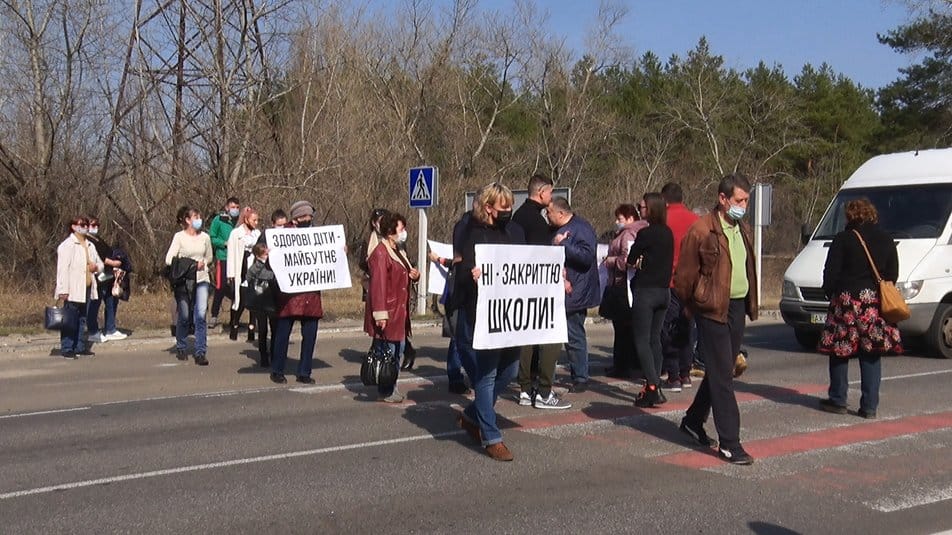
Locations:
column 818, row 440
column 622, row 411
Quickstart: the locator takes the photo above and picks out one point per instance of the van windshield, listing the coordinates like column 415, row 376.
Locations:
column 919, row 211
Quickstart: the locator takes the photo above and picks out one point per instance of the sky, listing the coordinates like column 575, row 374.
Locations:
column 791, row 33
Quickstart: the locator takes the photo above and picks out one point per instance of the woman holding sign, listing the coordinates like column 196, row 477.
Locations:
column 387, row 309
column 495, row 368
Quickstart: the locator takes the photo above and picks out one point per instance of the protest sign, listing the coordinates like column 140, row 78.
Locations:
column 308, row 259
column 436, row 280
column 521, row 296
column 603, row 273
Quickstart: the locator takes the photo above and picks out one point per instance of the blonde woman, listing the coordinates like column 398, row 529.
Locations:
column 240, row 242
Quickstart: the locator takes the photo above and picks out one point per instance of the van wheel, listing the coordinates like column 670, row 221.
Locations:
column 808, row 340
column 939, row 337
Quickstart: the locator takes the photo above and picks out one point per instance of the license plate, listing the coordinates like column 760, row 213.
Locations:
column 818, row 318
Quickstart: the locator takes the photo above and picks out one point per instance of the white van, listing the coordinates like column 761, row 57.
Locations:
column 912, row 192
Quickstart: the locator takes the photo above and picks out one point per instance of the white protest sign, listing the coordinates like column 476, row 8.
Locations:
column 521, row 296
column 308, row 259
column 600, row 253
column 436, row 280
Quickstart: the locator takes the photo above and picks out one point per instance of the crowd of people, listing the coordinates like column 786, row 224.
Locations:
column 678, row 290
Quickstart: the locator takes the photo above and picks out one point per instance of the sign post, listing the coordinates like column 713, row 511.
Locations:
column 423, row 186
column 761, row 202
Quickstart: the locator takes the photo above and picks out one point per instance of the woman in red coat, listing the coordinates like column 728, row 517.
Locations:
column 387, row 312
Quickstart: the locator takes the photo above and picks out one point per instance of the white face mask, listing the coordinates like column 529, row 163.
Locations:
column 82, row 231
column 402, row 236
column 94, row 230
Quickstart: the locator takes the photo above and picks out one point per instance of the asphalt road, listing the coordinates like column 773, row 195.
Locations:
column 132, row 441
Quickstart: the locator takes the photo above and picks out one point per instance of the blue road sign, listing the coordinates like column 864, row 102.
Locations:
column 423, row 187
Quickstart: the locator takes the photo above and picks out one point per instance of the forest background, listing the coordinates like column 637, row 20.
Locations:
column 129, row 110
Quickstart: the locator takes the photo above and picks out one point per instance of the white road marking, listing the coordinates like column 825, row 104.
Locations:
column 56, row 411
column 166, row 365
column 222, row 464
column 910, row 375
column 891, row 504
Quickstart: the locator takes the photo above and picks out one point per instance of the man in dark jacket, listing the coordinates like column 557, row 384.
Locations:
column 537, row 363
column 581, row 282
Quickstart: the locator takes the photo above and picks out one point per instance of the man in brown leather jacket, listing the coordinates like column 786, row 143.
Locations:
column 717, row 282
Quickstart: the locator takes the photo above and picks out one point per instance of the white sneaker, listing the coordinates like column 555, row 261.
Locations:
column 98, row 338
column 524, row 399
column 116, row 336
column 551, row 402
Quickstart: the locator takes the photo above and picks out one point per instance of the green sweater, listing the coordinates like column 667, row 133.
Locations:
column 218, row 231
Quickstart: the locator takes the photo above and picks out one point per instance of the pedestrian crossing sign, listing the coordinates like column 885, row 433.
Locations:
column 423, row 186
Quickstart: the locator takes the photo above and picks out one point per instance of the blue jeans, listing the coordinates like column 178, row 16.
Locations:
column 454, row 364
column 464, row 345
column 870, row 373
column 71, row 335
column 397, row 347
column 647, row 318
column 198, row 305
column 282, row 338
column 109, row 304
column 577, row 346
column 495, row 369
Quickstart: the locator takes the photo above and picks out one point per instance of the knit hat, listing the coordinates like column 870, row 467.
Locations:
column 301, row 209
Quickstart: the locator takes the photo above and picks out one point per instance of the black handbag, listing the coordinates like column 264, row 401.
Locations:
column 258, row 296
column 614, row 303
column 55, row 318
column 380, row 365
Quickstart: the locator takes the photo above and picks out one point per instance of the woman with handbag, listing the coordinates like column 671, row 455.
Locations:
column 387, row 310
column 615, row 299
column 77, row 264
column 105, row 282
column 855, row 326
column 191, row 298
column 259, row 285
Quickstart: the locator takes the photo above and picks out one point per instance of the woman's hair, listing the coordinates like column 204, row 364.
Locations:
column 657, row 209
column 376, row 216
column 627, row 211
column 861, row 211
column 77, row 220
column 92, row 220
column 246, row 212
column 389, row 221
column 489, row 195
column 259, row 249
column 184, row 213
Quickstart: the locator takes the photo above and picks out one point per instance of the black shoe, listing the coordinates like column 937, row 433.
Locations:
column 578, row 387
column 408, row 361
column 69, row 355
column 863, row 413
column 305, row 379
column 735, row 455
column 201, row 360
column 278, row 378
column 829, row 405
column 696, row 432
column 85, row 353
column 459, row 389
column 650, row 397
column 181, row 354
column 233, row 332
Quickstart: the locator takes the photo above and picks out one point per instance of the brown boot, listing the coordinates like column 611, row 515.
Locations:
column 471, row 429
column 499, row 452
column 740, row 364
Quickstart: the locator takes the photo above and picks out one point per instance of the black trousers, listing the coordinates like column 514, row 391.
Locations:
column 721, row 343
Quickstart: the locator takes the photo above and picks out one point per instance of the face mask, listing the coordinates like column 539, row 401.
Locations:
column 503, row 217
column 197, row 224
column 82, row 231
column 736, row 212
column 402, row 236
column 233, row 212
column 94, row 230
column 619, row 226
column 303, row 224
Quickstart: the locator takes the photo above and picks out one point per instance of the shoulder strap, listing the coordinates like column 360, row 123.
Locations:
column 869, row 257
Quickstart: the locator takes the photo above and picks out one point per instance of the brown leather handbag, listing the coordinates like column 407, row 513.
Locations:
column 892, row 306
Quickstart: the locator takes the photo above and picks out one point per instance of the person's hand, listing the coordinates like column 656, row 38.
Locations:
column 92, row 267
column 63, row 297
column 559, row 238
column 231, row 280
column 433, row 257
column 477, row 273
column 568, row 287
column 201, row 266
column 381, row 324
column 414, row 274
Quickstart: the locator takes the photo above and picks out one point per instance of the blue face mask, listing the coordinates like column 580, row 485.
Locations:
column 619, row 226
column 736, row 212
column 233, row 212
column 197, row 224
